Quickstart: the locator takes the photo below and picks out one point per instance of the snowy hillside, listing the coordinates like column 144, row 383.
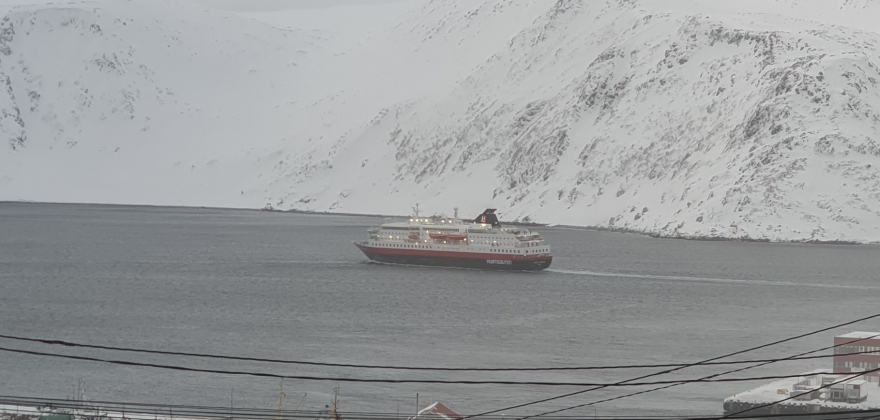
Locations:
column 754, row 119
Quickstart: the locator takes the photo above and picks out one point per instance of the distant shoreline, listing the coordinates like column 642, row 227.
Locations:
column 294, row 211
column 707, row 238
column 512, row 223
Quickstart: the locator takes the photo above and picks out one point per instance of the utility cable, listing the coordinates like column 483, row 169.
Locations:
column 346, row 365
column 664, row 372
column 709, row 377
column 389, row 381
column 803, row 393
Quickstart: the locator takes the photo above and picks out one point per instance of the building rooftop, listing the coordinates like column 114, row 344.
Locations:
column 784, row 388
column 781, row 389
column 860, row 334
column 436, row 411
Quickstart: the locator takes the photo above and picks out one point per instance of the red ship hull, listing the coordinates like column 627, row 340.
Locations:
column 440, row 258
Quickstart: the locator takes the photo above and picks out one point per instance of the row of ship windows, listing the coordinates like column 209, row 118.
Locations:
column 406, row 246
column 473, row 242
column 431, row 247
column 517, row 251
column 857, row 349
column 472, row 239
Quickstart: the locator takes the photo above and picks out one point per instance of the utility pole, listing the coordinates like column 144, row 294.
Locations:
column 335, row 403
column 231, row 402
column 281, row 401
column 79, row 393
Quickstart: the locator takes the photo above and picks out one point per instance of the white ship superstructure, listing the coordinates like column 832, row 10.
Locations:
column 482, row 243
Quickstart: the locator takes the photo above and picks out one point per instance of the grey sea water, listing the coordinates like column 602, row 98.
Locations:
column 290, row 286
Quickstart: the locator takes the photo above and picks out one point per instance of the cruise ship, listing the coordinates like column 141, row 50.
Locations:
column 482, row 243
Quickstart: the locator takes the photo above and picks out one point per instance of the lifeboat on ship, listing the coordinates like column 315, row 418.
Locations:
column 457, row 237
column 532, row 237
column 438, row 236
column 413, row 236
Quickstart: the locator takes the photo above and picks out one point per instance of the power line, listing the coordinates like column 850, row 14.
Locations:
column 622, row 383
column 393, row 381
column 664, row 372
column 360, row 366
column 703, row 378
column 803, row 393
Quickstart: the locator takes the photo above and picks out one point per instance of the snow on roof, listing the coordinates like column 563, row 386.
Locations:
column 768, row 393
column 782, row 389
column 436, row 411
column 860, row 334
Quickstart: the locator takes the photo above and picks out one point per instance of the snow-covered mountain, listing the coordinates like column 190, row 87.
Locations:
column 755, row 119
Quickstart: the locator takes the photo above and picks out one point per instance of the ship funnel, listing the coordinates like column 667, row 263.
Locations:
column 488, row 217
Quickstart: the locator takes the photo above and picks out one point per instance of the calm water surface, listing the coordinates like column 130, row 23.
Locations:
column 289, row 286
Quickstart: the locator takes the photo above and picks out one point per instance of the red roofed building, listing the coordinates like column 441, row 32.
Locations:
column 436, row 411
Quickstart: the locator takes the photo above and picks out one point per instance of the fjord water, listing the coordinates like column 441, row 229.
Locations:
column 292, row 286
